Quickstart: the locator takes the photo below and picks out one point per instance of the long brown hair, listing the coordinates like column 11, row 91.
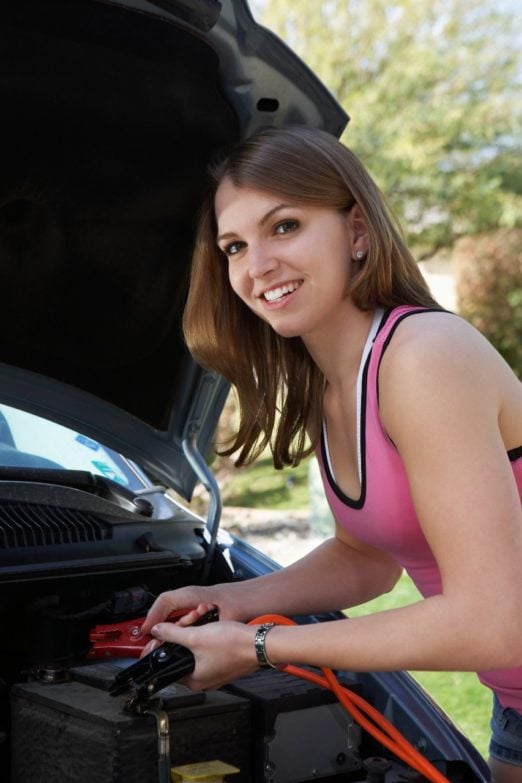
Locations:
column 279, row 387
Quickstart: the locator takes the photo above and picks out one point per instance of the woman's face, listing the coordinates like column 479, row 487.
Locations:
column 290, row 264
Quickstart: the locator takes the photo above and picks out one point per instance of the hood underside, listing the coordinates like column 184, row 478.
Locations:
column 111, row 112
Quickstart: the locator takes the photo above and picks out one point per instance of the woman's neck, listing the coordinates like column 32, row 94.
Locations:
column 338, row 349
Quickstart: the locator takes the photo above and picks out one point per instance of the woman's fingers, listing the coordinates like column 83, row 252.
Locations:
column 188, row 599
column 218, row 649
column 150, row 647
column 194, row 615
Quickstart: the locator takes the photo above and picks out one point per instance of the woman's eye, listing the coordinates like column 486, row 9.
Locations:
column 232, row 249
column 285, row 226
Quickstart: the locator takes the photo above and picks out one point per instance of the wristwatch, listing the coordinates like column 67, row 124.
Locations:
column 259, row 644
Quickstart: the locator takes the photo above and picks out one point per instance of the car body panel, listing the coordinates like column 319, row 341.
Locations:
column 99, row 206
column 112, row 110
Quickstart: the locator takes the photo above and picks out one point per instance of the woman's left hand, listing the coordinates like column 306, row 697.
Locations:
column 223, row 650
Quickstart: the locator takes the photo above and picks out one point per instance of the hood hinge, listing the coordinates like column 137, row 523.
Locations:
column 205, row 475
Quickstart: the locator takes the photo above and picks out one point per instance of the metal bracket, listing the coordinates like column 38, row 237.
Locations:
column 205, row 475
column 163, row 729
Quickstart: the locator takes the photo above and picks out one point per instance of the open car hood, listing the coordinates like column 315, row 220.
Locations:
column 111, row 111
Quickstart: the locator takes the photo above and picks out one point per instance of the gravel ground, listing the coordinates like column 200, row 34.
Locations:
column 285, row 536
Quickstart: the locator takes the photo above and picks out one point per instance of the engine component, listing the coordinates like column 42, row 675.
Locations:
column 301, row 732
column 76, row 733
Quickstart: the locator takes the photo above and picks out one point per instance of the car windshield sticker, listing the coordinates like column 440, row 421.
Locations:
column 89, row 442
column 108, row 471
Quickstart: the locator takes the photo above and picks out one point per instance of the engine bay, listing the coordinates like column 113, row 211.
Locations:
column 58, row 720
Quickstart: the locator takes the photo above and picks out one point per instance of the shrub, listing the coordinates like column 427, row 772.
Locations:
column 489, row 289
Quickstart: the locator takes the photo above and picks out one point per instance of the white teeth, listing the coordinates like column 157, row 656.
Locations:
column 277, row 293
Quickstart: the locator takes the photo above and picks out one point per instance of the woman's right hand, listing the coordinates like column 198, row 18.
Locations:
column 197, row 600
column 340, row 572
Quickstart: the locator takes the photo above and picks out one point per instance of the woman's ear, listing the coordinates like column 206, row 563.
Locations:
column 359, row 231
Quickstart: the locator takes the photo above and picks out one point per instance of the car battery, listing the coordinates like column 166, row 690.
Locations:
column 75, row 732
column 301, row 732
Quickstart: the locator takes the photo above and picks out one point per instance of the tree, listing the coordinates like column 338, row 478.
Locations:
column 433, row 89
column 489, row 274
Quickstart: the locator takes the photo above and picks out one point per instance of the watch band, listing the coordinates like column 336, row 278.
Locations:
column 259, row 644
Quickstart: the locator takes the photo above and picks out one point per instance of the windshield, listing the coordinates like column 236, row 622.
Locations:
column 30, row 441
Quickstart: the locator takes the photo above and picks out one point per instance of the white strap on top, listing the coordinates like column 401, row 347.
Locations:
column 377, row 317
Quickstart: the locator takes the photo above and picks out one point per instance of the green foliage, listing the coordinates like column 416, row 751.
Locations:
column 465, row 700
column 433, row 89
column 489, row 290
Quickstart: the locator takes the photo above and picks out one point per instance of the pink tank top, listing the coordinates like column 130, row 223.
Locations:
column 383, row 515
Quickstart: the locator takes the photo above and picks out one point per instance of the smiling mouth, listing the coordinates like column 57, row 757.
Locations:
column 277, row 294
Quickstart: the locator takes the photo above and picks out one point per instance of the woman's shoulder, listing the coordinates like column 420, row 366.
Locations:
column 439, row 356
column 437, row 336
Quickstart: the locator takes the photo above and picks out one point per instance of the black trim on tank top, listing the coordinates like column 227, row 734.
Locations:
column 392, row 332
column 359, row 503
column 348, row 501
column 515, row 454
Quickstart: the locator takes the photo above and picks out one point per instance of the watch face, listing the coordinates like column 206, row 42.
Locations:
column 259, row 643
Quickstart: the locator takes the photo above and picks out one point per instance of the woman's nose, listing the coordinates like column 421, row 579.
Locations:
column 261, row 261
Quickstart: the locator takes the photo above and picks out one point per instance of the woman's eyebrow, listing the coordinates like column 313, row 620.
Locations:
column 226, row 235
column 271, row 213
column 266, row 217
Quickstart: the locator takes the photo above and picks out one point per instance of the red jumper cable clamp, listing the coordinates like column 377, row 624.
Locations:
column 125, row 639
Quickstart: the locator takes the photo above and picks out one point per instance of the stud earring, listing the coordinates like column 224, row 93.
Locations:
column 359, row 254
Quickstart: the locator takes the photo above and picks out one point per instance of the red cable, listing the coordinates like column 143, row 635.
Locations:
column 382, row 730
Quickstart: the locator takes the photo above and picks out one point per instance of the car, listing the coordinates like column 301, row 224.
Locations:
column 112, row 110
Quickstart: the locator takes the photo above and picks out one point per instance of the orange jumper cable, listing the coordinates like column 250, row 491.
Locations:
column 381, row 729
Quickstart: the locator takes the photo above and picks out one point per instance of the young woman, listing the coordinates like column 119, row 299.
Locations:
column 304, row 295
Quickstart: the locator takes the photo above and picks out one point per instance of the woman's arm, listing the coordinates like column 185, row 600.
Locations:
column 443, row 393
column 339, row 573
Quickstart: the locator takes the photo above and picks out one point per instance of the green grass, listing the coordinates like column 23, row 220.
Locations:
column 460, row 694
column 264, row 487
